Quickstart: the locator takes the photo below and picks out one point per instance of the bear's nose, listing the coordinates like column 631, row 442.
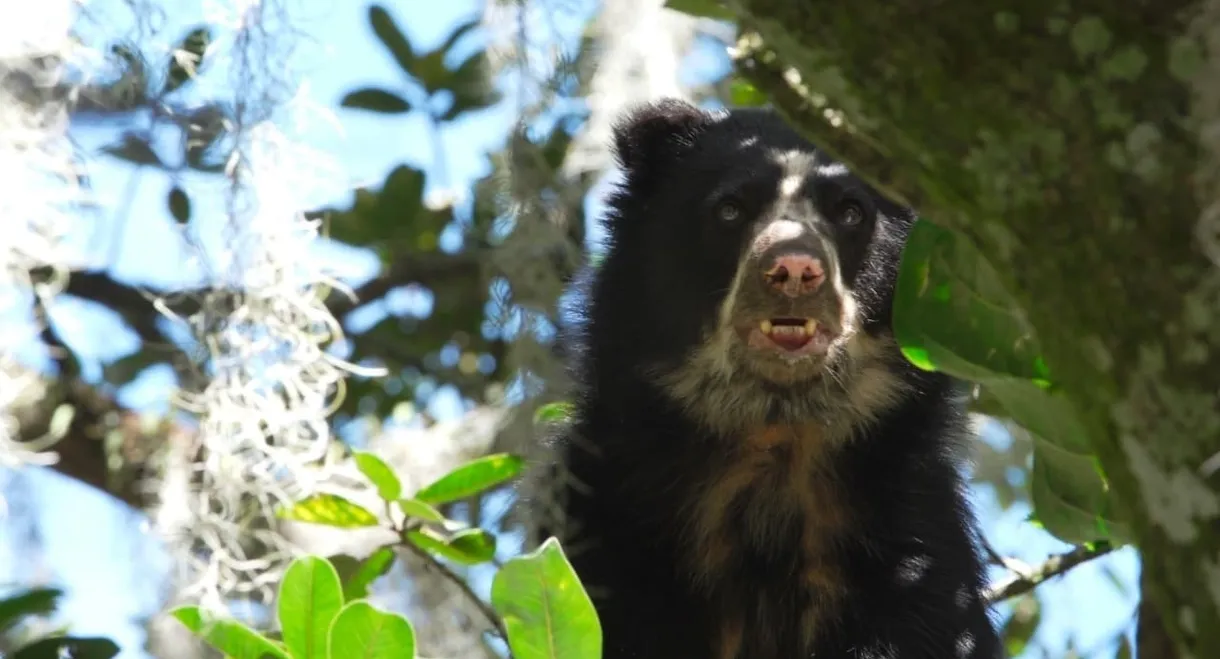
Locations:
column 795, row 274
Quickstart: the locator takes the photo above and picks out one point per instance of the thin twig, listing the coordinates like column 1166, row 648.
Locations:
column 1054, row 566
column 457, row 579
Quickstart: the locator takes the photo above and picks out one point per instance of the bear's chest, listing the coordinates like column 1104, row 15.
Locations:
column 764, row 522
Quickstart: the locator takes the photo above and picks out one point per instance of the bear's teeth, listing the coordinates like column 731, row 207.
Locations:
column 807, row 329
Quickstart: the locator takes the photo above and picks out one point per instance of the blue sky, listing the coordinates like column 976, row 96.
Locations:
column 101, row 553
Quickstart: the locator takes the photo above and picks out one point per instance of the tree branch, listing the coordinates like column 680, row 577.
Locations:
column 1056, row 565
column 458, row 581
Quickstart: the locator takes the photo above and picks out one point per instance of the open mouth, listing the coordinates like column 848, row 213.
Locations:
column 791, row 336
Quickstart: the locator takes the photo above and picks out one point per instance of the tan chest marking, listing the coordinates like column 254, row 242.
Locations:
column 786, row 472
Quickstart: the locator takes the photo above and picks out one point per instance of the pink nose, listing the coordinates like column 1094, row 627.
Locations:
column 795, row 274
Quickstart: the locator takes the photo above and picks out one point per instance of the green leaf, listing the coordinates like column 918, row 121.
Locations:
column 556, row 412
column 951, row 309
column 228, row 636
column 358, row 575
column 419, row 510
column 187, row 57
column 382, row 476
column 471, row 478
column 391, row 37
column 331, row 510
column 546, row 611
column 310, row 598
column 376, row 100
column 743, row 94
column 702, row 9
column 1020, row 627
column 179, row 205
column 361, row 631
column 32, row 602
column 471, row 86
column 430, row 69
column 72, row 647
column 953, row 314
column 135, row 150
column 468, row 546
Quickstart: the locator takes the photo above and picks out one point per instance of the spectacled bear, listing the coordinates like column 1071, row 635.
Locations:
column 753, row 469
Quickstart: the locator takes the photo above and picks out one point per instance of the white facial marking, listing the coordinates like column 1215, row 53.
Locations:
column 789, row 186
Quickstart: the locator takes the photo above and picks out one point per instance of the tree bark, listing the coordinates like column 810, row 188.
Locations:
column 1070, row 140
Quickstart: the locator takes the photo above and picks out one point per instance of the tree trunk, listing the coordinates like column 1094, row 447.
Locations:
column 1073, row 141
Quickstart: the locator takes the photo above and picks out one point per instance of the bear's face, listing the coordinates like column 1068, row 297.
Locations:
column 769, row 267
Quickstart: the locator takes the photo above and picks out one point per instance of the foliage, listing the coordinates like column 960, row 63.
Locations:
column 952, row 314
column 36, row 602
column 537, row 602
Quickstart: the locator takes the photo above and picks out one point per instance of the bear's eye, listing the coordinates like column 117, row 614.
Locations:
column 851, row 214
column 728, row 211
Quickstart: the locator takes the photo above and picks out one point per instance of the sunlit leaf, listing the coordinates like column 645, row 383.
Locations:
column 310, row 598
column 362, row 631
column 331, row 510
column 472, row 478
column 420, row 510
column 546, row 611
column 468, row 546
column 553, row 412
column 380, row 474
column 229, row 636
column 744, row 94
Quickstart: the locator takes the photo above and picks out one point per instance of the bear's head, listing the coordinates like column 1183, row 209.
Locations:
column 746, row 273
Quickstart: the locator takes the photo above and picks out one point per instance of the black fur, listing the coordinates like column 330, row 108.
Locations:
column 898, row 574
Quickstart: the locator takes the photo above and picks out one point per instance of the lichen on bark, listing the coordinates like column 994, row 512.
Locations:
column 1076, row 143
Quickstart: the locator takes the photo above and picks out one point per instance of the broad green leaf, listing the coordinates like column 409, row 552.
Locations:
column 744, row 94
column 32, row 602
column 68, row 647
column 229, row 636
column 471, row 478
column 310, row 598
column 357, row 575
column 364, row 632
column 376, row 100
column 392, row 37
column 953, row 314
column 179, row 205
column 702, row 8
column 468, row 546
column 419, row 510
column 546, row 611
column 331, row 510
column 556, row 412
column 187, row 57
column 381, row 474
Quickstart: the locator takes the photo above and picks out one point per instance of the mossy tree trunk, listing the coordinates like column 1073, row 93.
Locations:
column 1072, row 141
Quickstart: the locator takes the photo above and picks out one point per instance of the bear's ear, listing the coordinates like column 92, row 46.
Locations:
column 648, row 134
